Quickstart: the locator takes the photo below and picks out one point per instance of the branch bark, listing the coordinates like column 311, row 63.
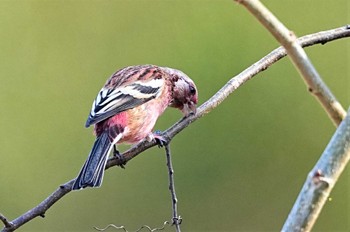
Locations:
column 299, row 58
column 176, row 220
column 321, row 180
column 5, row 221
column 208, row 106
column 234, row 83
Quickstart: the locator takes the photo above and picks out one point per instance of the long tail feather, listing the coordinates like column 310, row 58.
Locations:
column 91, row 174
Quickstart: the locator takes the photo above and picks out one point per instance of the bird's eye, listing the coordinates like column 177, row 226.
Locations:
column 192, row 90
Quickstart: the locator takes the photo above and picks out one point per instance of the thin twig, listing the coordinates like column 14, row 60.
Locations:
column 4, row 220
column 233, row 84
column 321, row 180
column 299, row 58
column 176, row 220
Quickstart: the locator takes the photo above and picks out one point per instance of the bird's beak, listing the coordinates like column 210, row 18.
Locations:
column 189, row 108
column 193, row 108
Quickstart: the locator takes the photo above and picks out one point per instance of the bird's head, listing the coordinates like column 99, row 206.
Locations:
column 185, row 94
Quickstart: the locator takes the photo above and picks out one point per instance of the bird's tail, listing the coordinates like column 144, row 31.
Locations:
column 91, row 174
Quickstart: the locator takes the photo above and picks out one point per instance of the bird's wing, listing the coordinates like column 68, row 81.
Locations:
column 111, row 101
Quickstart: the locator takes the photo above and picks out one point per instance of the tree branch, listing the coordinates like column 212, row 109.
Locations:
column 321, row 180
column 176, row 220
column 322, row 37
column 299, row 58
column 40, row 209
column 4, row 220
column 212, row 103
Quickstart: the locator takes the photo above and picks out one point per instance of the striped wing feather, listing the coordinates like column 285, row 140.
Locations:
column 111, row 101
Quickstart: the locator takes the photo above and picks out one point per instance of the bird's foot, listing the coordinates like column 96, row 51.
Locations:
column 158, row 136
column 120, row 157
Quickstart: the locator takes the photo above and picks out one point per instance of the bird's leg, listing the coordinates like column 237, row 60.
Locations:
column 121, row 158
column 158, row 137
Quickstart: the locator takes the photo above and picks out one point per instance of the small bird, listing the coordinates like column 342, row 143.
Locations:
column 126, row 110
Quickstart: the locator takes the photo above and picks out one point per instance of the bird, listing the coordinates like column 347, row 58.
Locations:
column 126, row 109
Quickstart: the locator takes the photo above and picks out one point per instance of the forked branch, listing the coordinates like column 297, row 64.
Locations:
column 299, row 58
column 205, row 108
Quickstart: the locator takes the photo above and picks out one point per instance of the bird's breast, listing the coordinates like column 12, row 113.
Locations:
column 141, row 120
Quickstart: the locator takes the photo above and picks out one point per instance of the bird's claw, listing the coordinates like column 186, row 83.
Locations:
column 177, row 220
column 159, row 138
column 160, row 142
column 120, row 157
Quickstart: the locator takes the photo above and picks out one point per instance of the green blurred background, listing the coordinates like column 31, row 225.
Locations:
column 239, row 168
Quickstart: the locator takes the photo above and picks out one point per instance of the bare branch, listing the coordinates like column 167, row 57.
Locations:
column 176, row 220
column 212, row 103
column 299, row 58
column 40, row 209
column 233, row 84
column 4, row 220
column 321, row 180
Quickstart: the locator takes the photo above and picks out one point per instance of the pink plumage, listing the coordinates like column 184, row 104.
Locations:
column 127, row 108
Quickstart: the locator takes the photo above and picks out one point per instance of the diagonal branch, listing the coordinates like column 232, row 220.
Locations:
column 299, row 58
column 212, row 103
column 321, row 180
column 322, row 37
column 41, row 208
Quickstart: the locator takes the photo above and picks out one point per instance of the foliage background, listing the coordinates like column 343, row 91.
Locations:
column 239, row 168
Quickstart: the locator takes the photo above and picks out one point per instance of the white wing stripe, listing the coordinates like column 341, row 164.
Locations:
column 130, row 90
column 155, row 83
column 108, row 99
